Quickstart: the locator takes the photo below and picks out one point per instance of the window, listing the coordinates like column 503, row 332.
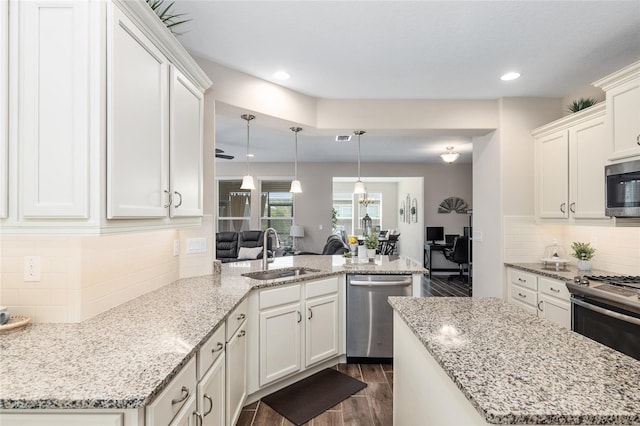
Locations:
column 234, row 206
column 276, row 208
column 345, row 203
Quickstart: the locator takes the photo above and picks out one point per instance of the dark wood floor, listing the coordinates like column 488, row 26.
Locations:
column 372, row 406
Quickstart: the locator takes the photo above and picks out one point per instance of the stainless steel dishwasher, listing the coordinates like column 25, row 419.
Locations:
column 370, row 317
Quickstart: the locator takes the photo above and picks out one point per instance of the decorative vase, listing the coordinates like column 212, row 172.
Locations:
column 371, row 253
column 362, row 252
column 584, row 265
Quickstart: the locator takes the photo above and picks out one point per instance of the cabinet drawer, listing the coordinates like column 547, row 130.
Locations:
column 524, row 295
column 210, row 351
column 279, row 296
column 554, row 288
column 236, row 318
column 523, row 279
column 321, row 287
column 183, row 418
column 164, row 408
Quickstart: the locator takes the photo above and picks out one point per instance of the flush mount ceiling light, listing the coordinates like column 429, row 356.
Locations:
column 450, row 156
column 281, row 75
column 359, row 186
column 295, row 184
column 247, row 181
column 510, row 76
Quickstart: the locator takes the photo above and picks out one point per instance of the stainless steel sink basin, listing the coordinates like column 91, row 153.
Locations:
column 279, row 273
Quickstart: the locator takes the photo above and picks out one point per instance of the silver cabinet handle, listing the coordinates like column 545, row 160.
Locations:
column 299, row 317
column 184, row 396
column 521, row 280
column 179, row 195
column 218, row 348
column 170, row 199
column 554, row 290
column 208, row 398
column 241, row 317
column 198, row 417
column 539, row 308
column 242, row 333
column 572, row 207
column 522, row 295
column 310, row 313
column 563, row 207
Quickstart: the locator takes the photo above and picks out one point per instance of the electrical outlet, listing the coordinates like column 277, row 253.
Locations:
column 32, row 268
column 176, row 247
column 321, row 227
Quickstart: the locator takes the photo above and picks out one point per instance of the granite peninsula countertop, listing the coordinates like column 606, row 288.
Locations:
column 517, row 369
column 564, row 274
column 125, row 356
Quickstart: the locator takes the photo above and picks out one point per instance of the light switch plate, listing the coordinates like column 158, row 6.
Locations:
column 196, row 245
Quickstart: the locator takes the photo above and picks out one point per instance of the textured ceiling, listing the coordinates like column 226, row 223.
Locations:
column 408, row 50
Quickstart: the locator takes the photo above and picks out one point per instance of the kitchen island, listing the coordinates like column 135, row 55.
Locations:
column 478, row 361
column 124, row 357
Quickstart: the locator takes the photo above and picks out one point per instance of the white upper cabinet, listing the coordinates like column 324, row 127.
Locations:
column 570, row 157
column 101, row 119
column 53, row 108
column 4, row 106
column 137, row 123
column 186, row 170
column 623, row 111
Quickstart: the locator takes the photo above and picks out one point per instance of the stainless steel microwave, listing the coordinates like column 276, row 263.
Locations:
column 622, row 189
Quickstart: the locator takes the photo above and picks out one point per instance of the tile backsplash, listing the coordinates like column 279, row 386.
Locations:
column 82, row 276
column 618, row 248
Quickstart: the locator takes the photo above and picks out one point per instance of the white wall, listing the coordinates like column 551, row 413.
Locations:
column 411, row 241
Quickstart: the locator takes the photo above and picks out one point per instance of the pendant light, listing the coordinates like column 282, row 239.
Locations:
column 450, row 156
column 295, row 184
column 359, row 186
column 247, row 181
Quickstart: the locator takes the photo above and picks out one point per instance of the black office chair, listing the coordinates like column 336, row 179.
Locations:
column 459, row 254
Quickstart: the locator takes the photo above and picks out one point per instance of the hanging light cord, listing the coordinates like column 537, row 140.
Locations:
column 296, row 130
column 248, row 117
column 359, row 133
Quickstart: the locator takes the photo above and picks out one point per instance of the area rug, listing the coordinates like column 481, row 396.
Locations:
column 310, row 397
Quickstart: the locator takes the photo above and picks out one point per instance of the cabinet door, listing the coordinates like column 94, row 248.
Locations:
column 211, row 390
column 236, row 374
column 588, row 154
column 623, row 112
column 187, row 415
column 4, row 107
column 553, row 152
column 53, row 108
column 322, row 329
column 280, row 342
column 137, row 123
column 186, row 109
column 555, row 310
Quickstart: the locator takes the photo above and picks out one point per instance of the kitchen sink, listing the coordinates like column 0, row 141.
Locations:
column 279, row 273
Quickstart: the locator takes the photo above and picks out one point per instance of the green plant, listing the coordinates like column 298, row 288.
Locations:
column 582, row 251
column 346, row 254
column 371, row 241
column 168, row 18
column 581, row 103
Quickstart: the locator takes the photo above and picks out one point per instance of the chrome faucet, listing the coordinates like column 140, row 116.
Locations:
column 265, row 251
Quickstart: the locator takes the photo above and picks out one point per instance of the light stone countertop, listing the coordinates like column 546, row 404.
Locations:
column 125, row 356
column 515, row 368
column 564, row 274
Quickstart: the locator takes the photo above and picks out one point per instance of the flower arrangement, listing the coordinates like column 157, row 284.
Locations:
column 371, row 241
column 353, row 239
column 582, row 251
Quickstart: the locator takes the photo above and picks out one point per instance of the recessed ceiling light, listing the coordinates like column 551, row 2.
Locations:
column 282, row 75
column 250, row 155
column 510, row 76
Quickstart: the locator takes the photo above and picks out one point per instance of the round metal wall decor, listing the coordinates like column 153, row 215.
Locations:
column 453, row 204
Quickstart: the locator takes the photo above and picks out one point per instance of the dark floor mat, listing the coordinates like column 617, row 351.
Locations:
column 310, row 397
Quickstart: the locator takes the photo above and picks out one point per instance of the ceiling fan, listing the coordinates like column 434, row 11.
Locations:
column 220, row 154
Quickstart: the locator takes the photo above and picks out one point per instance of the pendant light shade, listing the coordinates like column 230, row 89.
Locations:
column 359, row 186
column 296, row 188
column 450, row 156
column 247, row 181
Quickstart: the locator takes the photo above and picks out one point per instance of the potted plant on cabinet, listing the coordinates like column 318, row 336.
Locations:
column 371, row 242
column 584, row 253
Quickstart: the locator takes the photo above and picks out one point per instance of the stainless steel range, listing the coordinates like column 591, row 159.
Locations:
column 607, row 309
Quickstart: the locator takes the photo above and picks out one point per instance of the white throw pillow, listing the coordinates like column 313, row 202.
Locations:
column 249, row 252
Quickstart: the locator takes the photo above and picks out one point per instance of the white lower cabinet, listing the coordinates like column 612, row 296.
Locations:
column 71, row 419
column 305, row 319
column 211, row 390
column 187, row 415
column 236, row 373
column 542, row 296
column 170, row 404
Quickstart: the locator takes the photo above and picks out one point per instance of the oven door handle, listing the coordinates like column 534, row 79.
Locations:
column 606, row 312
